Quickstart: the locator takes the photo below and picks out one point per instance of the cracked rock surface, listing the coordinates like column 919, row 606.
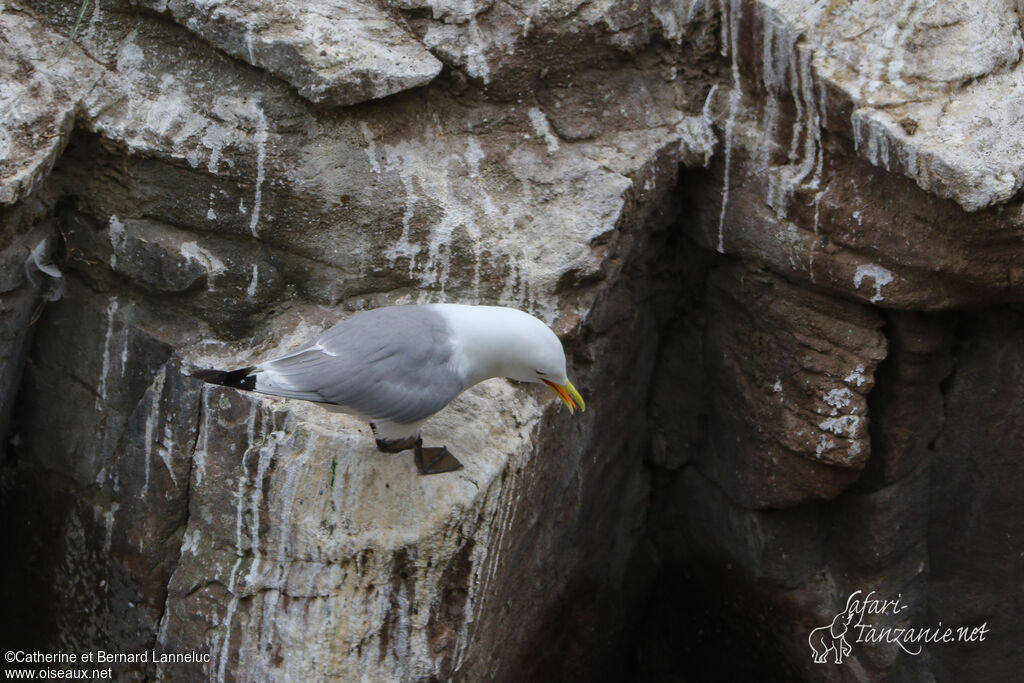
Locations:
column 334, row 53
column 204, row 213
column 780, row 239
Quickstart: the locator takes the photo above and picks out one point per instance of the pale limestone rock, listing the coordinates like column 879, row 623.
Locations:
column 339, row 558
column 935, row 88
column 336, row 53
column 217, row 215
column 795, row 130
column 38, row 97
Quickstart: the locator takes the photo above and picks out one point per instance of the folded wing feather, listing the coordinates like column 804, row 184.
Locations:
column 391, row 364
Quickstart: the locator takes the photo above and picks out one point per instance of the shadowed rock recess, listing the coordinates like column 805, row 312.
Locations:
column 783, row 243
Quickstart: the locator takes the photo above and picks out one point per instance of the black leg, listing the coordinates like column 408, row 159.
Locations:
column 434, row 460
column 393, row 445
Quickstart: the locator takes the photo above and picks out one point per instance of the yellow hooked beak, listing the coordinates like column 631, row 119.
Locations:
column 570, row 397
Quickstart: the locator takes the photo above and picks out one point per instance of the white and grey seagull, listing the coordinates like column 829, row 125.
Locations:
column 396, row 366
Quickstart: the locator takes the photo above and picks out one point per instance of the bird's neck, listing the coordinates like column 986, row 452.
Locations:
column 485, row 346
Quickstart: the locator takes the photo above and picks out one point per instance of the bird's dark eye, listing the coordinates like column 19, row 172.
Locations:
column 540, row 373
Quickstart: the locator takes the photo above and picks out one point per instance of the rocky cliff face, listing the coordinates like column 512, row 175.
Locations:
column 781, row 241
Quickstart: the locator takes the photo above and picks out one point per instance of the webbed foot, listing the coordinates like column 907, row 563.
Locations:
column 435, row 460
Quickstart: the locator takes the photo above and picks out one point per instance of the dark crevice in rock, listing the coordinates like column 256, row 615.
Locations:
column 180, row 532
column 714, row 591
column 30, row 603
column 724, row 502
column 906, row 405
column 878, row 534
column 702, row 625
column 974, row 558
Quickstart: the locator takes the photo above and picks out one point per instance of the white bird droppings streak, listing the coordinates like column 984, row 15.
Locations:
column 474, row 155
column 540, row 124
column 371, row 147
column 190, row 542
column 267, row 453
column 814, row 240
column 249, row 44
column 403, row 247
column 288, row 493
column 232, row 606
column 199, row 455
column 233, row 578
column 261, row 158
column 251, row 291
column 105, row 370
column 266, row 456
column 117, row 237
column 108, row 523
column 164, row 451
column 210, row 263
column 124, row 354
column 243, row 477
column 734, row 102
column 157, row 390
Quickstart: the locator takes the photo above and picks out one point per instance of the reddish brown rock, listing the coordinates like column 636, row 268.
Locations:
column 788, row 372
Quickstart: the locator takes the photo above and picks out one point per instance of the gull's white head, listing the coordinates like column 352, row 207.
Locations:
column 539, row 357
column 505, row 342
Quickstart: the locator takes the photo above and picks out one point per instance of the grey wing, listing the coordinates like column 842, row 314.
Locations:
column 391, row 364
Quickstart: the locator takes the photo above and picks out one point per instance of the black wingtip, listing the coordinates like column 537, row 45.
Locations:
column 238, row 379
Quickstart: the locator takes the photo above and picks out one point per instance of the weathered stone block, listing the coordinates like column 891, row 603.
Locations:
column 791, row 370
column 333, row 53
